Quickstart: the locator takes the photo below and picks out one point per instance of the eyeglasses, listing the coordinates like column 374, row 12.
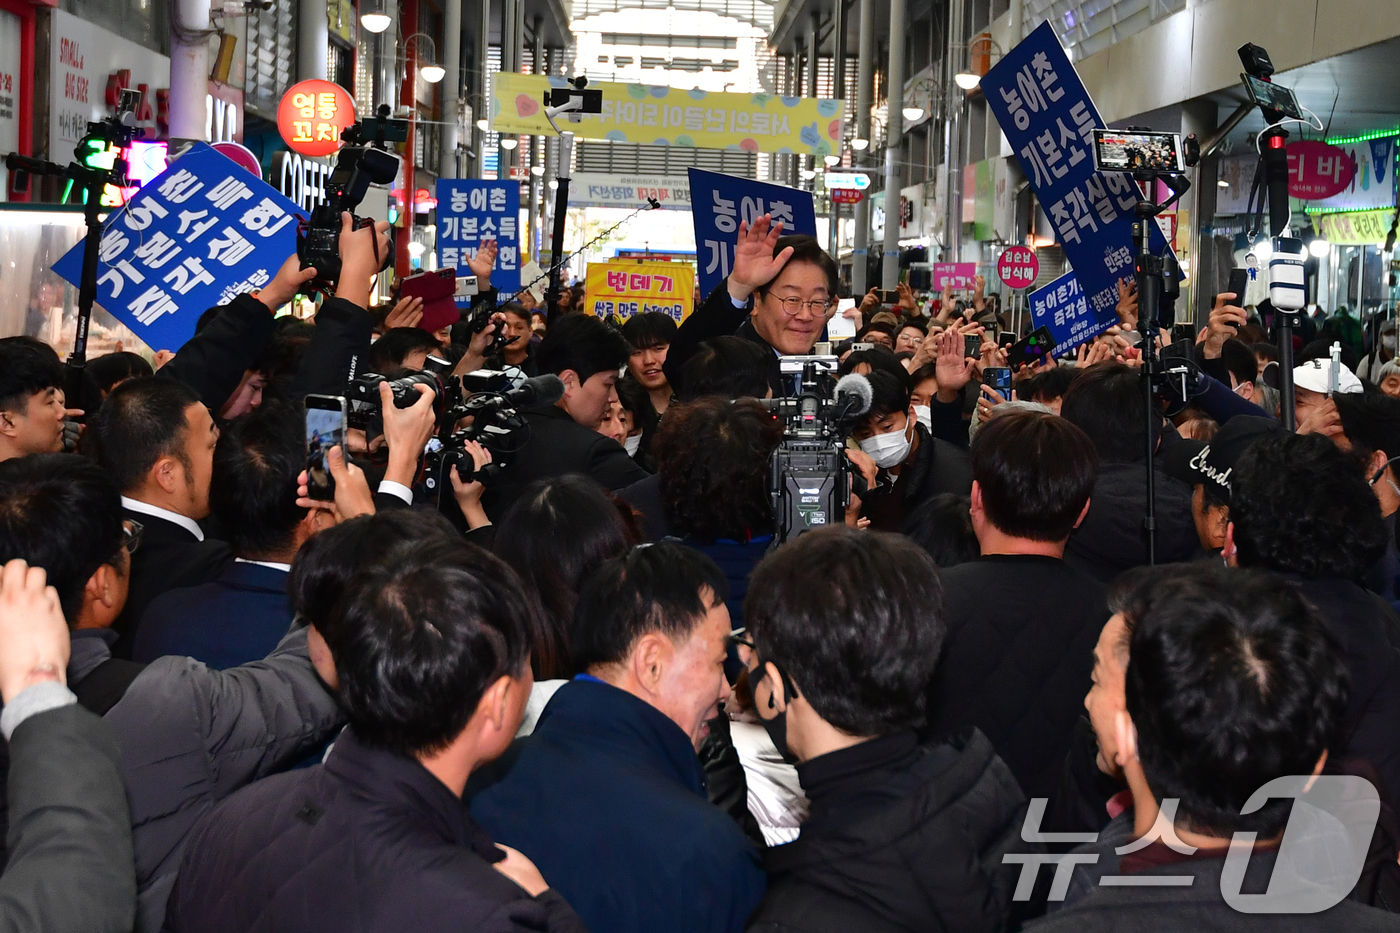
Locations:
column 739, row 637
column 793, row 304
column 131, row 535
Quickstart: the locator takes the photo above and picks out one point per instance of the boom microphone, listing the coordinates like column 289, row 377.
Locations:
column 538, row 391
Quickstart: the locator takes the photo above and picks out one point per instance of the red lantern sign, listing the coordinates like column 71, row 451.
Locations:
column 312, row 115
column 1018, row 267
column 1317, row 170
column 846, row 196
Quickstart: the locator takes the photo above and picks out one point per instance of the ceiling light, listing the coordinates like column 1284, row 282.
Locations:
column 966, row 80
column 415, row 249
column 509, row 142
column 808, row 174
column 859, row 144
column 537, row 170
column 1319, row 247
column 375, row 22
column 553, row 184
column 432, row 73
column 912, row 113
column 832, row 160
column 1223, row 183
column 483, row 125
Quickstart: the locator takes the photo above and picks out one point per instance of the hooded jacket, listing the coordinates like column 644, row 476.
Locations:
column 914, row 842
column 1111, row 540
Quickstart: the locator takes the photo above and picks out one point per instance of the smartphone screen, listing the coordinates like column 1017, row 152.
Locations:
column 999, row 378
column 1006, row 338
column 888, row 296
column 1033, row 349
column 325, row 428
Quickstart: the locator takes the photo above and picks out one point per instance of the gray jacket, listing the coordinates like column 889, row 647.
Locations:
column 70, row 833
column 190, row 736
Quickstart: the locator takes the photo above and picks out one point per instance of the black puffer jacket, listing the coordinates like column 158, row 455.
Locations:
column 917, row 847
column 1111, row 540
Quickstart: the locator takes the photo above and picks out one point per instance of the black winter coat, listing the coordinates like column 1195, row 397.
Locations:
column 1111, row 539
column 369, row 842
column 1017, row 660
column 559, row 445
column 926, row 857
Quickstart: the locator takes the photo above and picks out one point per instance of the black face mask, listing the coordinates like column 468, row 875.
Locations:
column 776, row 727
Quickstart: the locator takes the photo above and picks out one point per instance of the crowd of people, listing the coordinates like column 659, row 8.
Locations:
column 584, row 680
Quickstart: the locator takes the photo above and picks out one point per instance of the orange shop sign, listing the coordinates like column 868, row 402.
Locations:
column 312, row 116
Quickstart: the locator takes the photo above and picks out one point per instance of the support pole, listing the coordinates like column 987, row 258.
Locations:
column 894, row 174
column 865, row 93
column 189, row 69
column 452, row 86
column 408, row 97
column 483, row 71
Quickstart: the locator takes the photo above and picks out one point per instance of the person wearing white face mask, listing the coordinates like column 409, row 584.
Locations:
column 914, row 465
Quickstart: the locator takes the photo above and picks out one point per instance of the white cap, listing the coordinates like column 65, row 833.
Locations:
column 528, row 273
column 1313, row 375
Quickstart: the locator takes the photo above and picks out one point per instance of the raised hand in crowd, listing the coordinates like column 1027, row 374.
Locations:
column 947, row 304
column 161, row 358
column 352, row 495
column 468, row 495
column 362, row 255
column 406, row 431
column 979, row 291
column 1127, row 307
column 868, row 306
column 34, row 644
column 407, row 313
column 1093, row 352
column 285, row 284
column 1225, row 321
column 754, row 262
column 953, row 369
column 990, row 399
column 907, row 300
column 475, row 357
column 483, row 262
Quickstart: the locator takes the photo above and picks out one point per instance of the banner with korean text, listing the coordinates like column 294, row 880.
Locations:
column 202, row 232
column 719, row 202
column 1062, row 308
column 623, row 288
column 665, row 116
column 468, row 214
column 1047, row 116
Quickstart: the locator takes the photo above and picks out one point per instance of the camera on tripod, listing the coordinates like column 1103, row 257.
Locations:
column 356, row 168
column 810, row 477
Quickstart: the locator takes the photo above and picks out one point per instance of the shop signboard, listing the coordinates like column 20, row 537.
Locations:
column 1372, row 185
column 312, row 115
column 622, row 288
column 666, row 116
column 600, row 189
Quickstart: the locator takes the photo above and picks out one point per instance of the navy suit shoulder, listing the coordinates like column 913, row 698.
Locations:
column 607, row 798
column 237, row 618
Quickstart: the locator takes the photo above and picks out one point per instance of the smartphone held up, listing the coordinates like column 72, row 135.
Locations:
column 325, row 428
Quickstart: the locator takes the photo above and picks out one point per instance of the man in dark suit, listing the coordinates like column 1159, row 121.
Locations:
column 586, row 355
column 156, row 440
column 243, row 614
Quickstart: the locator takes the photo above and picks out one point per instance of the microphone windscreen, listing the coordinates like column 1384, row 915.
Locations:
column 858, row 385
column 538, row 391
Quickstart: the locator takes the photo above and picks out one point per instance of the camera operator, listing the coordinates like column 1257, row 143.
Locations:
column 32, row 409
column 780, row 294
column 586, row 355
column 519, row 350
column 914, row 465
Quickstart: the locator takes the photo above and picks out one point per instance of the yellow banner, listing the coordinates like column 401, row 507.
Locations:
column 640, row 113
column 1354, row 228
column 626, row 287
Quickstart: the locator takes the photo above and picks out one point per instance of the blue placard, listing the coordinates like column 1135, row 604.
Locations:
column 718, row 202
column 1046, row 114
column 200, row 233
column 1062, row 308
column 470, row 213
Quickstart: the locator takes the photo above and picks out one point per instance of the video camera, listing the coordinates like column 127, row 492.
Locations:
column 809, row 470
column 356, row 168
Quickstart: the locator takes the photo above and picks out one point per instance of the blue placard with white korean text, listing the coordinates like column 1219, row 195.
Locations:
column 718, row 202
column 200, row 233
column 1063, row 308
column 1047, row 116
column 471, row 212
